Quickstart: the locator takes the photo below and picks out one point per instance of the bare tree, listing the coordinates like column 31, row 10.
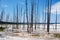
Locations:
column 27, row 15
column 32, row 11
column 17, row 17
column 24, row 20
column 36, row 14
column 2, row 16
column 56, row 20
column 14, row 19
column 7, row 19
column 21, row 16
column 48, row 15
column 35, row 20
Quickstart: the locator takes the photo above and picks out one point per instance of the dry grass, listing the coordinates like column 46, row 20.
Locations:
column 35, row 35
column 57, row 35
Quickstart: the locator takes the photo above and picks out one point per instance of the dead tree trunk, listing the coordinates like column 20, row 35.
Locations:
column 56, row 21
column 35, row 15
column 24, row 20
column 7, row 18
column 1, row 17
column 27, row 16
column 17, row 18
column 48, row 15
column 32, row 11
column 14, row 20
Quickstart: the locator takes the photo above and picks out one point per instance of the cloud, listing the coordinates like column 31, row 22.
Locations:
column 55, row 7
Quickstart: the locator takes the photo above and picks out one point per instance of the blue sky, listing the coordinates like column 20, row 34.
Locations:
column 10, row 5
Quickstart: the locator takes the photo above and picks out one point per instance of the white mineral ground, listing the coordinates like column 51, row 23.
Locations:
column 27, row 36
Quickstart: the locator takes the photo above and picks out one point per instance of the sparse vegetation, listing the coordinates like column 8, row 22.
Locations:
column 35, row 35
column 1, row 29
column 57, row 35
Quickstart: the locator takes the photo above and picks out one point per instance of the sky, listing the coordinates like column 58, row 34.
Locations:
column 10, row 5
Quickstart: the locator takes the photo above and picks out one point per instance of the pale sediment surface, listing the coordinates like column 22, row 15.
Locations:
column 39, row 29
column 21, row 38
column 9, row 37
